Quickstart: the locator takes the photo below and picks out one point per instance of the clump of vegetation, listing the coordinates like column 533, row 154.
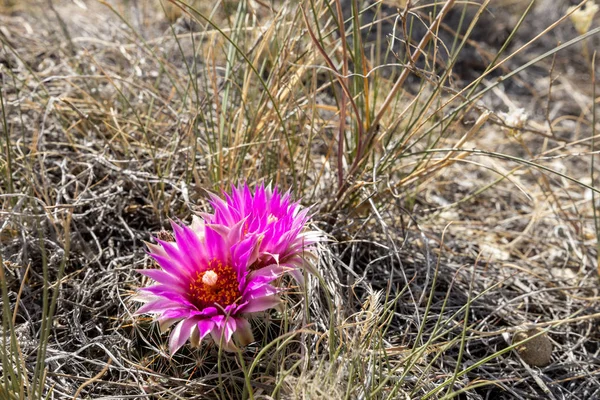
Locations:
column 447, row 151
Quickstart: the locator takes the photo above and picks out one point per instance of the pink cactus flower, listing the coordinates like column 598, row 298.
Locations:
column 274, row 217
column 205, row 285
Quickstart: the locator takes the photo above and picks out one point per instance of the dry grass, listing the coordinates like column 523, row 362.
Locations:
column 454, row 223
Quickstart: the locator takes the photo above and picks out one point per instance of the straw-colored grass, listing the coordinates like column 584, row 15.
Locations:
column 448, row 151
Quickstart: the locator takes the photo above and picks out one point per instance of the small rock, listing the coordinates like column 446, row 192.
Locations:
column 536, row 352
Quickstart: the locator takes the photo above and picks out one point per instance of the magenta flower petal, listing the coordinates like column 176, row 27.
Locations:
column 246, row 252
column 175, row 254
column 222, row 230
column 205, row 326
column 176, row 313
column 171, row 266
column 188, row 239
column 261, row 304
column 190, row 312
column 270, row 272
column 215, row 244
column 223, row 331
column 229, row 328
column 155, row 249
column 181, row 333
column 159, row 306
column 236, row 232
column 171, row 293
column 163, row 277
column 258, row 281
column 262, row 291
column 206, row 312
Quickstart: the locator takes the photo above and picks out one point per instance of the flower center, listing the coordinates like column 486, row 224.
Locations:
column 218, row 284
